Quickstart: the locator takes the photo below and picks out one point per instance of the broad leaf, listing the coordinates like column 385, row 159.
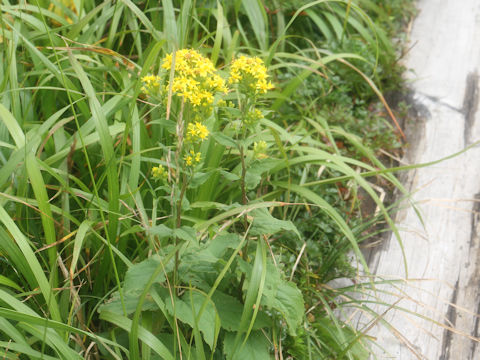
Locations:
column 257, row 169
column 288, row 300
column 255, row 348
column 183, row 311
column 224, row 140
column 230, row 312
column 280, row 295
column 135, row 281
column 265, row 223
column 186, row 233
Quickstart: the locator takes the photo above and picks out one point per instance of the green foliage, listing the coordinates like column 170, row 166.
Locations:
column 139, row 223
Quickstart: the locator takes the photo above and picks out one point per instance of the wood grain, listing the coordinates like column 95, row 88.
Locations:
column 443, row 280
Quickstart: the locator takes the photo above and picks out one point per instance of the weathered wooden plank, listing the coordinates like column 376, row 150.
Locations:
column 445, row 254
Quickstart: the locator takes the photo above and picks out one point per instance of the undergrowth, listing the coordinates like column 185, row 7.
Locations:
column 180, row 179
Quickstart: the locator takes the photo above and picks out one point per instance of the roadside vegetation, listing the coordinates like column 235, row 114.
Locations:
column 183, row 179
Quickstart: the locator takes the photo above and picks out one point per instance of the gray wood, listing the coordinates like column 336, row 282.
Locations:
column 443, row 281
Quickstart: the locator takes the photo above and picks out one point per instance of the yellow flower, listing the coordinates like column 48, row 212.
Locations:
column 192, row 158
column 159, row 172
column 197, row 131
column 262, row 86
column 252, row 73
column 188, row 160
column 198, row 157
column 195, row 77
column 151, row 84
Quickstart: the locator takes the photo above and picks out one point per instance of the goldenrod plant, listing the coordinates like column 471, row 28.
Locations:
column 173, row 184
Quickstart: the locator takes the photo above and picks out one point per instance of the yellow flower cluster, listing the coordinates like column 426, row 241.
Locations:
column 192, row 158
column 151, row 84
column 195, row 77
column 251, row 72
column 197, row 131
column 159, row 172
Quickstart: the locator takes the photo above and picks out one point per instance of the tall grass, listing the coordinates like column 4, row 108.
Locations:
column 100, row 260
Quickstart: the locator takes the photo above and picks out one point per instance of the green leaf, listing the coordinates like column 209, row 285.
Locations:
column 186, row 233
column 230, row 312
column 7, row 282
column 138, row 274
column 13, row 347
column 218, row 34
column 144, row 19
column 199, row 178
column 161, row 231
column 229, row 176
column 38, row 326
column 285, row 297
column 258, row 19
column 106, row 142
column 265, row 223
column 253, row 296
column 143, row 334
column 77, row 246
column 224, row 140
column 255, row 171
column 130, row 300
column 288, row 300
column 13, row 127
column 136, row 278
column 280, row 295
column 170, row 24
column 40, row 191
column 198, row 267
column 255, row 348
column 332, row 213
column 183, row 311
column 221, row 243
column 33, row 263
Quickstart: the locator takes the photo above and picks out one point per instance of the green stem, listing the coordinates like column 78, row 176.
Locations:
column 242, row 179
column 178, row 221
column 177, row 206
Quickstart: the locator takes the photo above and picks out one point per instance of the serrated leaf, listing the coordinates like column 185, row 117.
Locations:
column 284, row 297
column 200, row 264
column 183, row 312
column 161, row 231
column 138, row 274
column 265, row 223
column 288, row 300
column 221, row 243
column 186, row 233
column 198, row 268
